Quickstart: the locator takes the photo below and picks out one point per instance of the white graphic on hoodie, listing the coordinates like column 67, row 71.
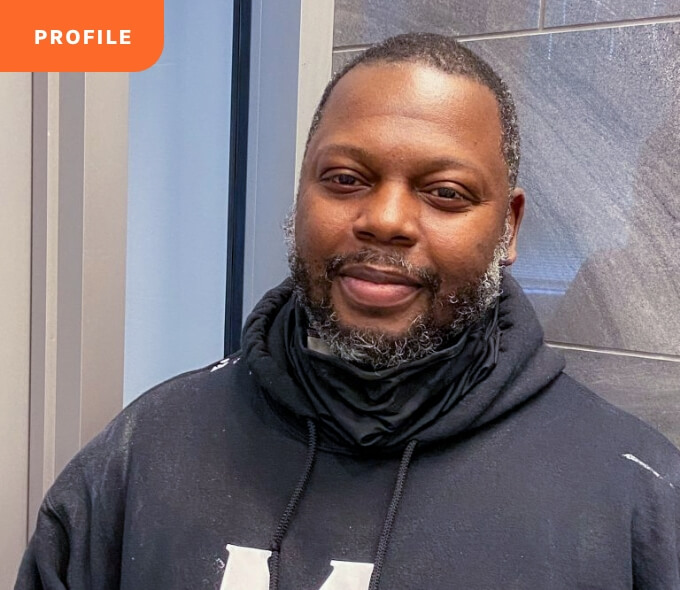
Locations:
column 248, row 569
column 348, row 575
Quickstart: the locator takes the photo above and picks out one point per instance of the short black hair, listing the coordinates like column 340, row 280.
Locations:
column 449, row 56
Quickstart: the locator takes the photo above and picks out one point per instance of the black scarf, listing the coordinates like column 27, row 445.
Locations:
column 374, row 409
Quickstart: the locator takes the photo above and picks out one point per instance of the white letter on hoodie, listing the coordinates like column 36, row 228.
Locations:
column 248, row 569
column 348, row 575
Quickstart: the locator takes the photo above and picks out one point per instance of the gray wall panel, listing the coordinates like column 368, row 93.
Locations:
column 367, row 21
column 15, row 321
column 340, row 58
column 568, row 12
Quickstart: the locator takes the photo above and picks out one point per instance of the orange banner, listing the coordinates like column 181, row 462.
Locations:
column 80, row 35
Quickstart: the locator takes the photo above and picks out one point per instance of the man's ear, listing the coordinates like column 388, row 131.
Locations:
column 515, row 214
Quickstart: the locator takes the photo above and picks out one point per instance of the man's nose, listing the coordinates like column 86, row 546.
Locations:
column 388, row 215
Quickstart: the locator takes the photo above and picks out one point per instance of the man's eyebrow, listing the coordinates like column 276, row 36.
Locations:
column 356, row 152
column 448, row 163
column 431, row 164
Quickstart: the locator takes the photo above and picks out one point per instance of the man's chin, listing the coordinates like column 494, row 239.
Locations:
column 378, row 343
column 376, row 329
column 387, row 324
column 376, row 349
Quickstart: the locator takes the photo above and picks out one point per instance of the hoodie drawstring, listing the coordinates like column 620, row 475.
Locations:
column 388, row 524
column 284, row 523
column 391, row 515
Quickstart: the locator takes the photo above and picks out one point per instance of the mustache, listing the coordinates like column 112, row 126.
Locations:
column 429, row 279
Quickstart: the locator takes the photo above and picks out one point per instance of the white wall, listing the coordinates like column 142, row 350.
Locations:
column 15, row 281
column 177, row 201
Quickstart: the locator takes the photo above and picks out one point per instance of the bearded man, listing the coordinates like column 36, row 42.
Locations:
column 394, row 419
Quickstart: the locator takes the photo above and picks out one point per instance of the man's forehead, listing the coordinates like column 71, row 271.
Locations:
column 405, row 85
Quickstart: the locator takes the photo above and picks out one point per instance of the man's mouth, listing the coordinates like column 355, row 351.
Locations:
column 367, row 286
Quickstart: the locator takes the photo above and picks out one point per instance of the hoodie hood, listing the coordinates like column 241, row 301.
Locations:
column 524, row 367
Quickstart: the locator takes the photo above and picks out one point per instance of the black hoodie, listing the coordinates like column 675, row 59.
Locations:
column 217, row 477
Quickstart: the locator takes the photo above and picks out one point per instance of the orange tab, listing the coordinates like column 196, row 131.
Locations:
column 80, row 35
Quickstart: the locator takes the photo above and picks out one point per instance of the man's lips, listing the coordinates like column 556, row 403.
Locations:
column 373, row 287
column 378, row 275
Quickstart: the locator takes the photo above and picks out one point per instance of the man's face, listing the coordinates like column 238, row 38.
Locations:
column 403, row 201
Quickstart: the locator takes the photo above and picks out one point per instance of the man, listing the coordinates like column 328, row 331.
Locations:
column 394, row 419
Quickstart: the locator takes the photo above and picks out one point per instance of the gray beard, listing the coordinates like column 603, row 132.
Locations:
column 374, row 349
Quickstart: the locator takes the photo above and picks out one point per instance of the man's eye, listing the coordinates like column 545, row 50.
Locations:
column 345, row 179
column 446, row 192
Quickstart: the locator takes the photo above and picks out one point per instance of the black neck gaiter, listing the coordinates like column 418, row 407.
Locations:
column 367, row 409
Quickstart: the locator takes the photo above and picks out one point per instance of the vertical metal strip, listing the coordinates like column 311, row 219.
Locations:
column 70, row 266
column 43, row 304
column 238, row 159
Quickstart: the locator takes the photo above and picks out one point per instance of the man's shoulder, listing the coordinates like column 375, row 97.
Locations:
column 174, row 414
column 169, row 411
column 194, row 391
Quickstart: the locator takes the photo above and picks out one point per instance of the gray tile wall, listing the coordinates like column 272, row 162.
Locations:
column 367, row 21
column 572, row 12
column 599, row 105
